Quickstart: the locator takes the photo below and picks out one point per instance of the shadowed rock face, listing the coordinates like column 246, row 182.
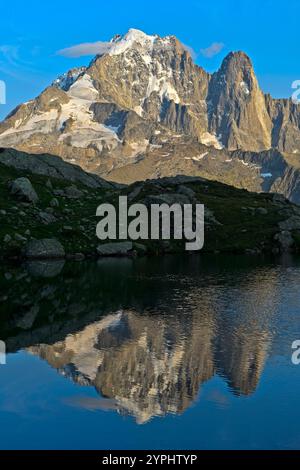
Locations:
column 285, row 124
column 237, row 108
column 49, row 165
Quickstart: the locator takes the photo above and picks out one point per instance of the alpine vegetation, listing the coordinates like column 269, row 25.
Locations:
column 162, row 221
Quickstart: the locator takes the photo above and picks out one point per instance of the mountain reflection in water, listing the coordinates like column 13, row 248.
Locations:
column 146, row 334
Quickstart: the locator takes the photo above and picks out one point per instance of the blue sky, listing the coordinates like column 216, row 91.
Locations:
column 32, row 32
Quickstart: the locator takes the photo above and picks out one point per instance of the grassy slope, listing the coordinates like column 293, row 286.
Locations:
column 242, row 226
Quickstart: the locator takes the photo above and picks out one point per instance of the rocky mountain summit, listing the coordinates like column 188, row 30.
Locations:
column 144, row 109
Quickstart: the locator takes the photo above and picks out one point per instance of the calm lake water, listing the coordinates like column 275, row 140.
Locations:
column 179, row 352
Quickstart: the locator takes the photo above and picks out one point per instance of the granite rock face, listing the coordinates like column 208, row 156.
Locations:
column 148, row 79
column 237, row 111
column 145, row 109
column 23, row 190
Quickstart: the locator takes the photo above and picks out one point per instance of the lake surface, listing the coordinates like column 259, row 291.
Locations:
column 179, row 352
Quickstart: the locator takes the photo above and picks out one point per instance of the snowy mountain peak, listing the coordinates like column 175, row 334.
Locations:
column 132, row 38
column 139, row 36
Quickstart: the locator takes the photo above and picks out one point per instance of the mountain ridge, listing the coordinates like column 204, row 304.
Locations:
column 145, row 93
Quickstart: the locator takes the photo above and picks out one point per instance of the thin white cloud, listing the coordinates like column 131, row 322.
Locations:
column 212, row 50
column 101, row 47
column 13, row 65
column 85, row 49
column 10, row 53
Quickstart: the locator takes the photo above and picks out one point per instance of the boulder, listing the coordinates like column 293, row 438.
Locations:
column 59, row 192
column 285, row 240
column 140, row 248
column 67, row 229
column 20, row 237
column 210, row 218
column 115, row 249
column 54, row 202
column 261, row 211
column 26, row 321
column 49, row 184
column 73, row 192
column 47, row 248
column 23, row 190
column 292, row 223
column 46, row 218
column 49, row 210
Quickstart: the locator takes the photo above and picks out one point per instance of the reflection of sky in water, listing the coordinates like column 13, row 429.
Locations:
column 152, row 354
